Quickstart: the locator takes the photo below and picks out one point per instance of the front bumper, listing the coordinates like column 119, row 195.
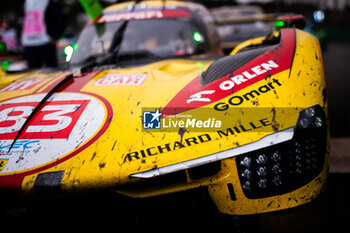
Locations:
column 282, row 170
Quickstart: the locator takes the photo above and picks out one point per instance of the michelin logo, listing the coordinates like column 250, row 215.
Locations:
column 151, row 120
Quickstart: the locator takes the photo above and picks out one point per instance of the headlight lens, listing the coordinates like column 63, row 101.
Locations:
column 287, row 166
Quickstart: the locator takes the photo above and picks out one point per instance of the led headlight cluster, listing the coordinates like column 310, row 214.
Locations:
column 287, row 166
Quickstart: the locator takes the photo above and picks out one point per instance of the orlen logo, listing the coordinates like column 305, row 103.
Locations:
column 66, row 123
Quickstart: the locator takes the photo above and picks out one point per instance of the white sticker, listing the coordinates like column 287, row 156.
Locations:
column 65, row 123
column 121, row 79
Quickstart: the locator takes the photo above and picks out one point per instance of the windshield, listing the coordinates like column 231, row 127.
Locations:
column 161, row 38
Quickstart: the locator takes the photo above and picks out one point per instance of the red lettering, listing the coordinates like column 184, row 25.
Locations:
column 56, row 119
column 21, row 85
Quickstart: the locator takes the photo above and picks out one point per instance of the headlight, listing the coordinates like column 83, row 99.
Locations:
column 290, row 165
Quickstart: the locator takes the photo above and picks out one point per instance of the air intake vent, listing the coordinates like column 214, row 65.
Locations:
column 229, row 64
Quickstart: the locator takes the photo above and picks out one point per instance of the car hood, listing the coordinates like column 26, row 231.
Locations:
column 104, row 128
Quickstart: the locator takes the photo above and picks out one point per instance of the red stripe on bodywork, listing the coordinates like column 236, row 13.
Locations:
column 281, row 55
column 13, row 182
column 80, row 82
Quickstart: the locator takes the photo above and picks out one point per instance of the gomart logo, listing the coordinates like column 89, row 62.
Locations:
column 231, row 81
column 66, row 122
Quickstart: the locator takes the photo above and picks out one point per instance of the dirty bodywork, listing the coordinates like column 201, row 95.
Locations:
column 64, row 132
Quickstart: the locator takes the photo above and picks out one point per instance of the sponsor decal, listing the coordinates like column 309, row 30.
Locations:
column 21, row 85
column 241, row 128
column 237, row 100
column 66, row 123
column 194, row 95
column 143, row 14
column 232, row 81
column 251, row 126
column 201, row 96
column 19, row 146
column 255, row 72
column 167, row 147
column 121, row 79
column 56, row 119
column 3, row 163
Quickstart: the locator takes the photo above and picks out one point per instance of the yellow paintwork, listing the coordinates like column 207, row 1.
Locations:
column 310, row 82
column 103, row 164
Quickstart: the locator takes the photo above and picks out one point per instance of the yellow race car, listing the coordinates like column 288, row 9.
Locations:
column 150, row 106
